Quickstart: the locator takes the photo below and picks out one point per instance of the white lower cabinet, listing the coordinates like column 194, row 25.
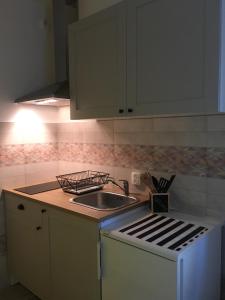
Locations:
column 74, row 257
column 28, row 245
column 51, row 252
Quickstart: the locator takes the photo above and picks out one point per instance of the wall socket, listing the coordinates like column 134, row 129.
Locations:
column 136, row 178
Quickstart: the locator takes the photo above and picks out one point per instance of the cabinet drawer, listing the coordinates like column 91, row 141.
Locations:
column 28, row 210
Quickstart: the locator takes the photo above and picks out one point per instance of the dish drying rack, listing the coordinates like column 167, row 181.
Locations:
column 82, row 182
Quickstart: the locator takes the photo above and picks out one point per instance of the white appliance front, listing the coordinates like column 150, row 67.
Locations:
column 145, row 260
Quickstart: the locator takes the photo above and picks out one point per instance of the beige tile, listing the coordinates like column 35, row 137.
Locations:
column 192, row 123
column 7, row 172
column 40, row 172
column 216, row 139
column 70, row 137
column 216, row 123
column 104, row 137
column 98, row 125
column 51, row 166
column 98, row 132
column 133, row 125
column 216, row 203
column 70, row 167
column 216, row 186
column 141, row 138
column 164, row 139
column 12, row 182
column 9, row 134
column 188, row 201
column 191, row 139
column 44, row 133
column 77, row 126
column 190, row 183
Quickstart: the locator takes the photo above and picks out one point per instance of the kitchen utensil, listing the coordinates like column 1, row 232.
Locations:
column 169, row 183
column 155, row 183
column 147, row 180
column 162, row 184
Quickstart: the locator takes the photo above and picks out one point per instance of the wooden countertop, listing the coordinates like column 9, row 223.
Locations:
column 58, row 199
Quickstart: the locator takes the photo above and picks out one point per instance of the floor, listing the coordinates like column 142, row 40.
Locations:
column 16, row 292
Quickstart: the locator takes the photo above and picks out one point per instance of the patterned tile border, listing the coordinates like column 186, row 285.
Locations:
column 11, row 155
column 198, row 161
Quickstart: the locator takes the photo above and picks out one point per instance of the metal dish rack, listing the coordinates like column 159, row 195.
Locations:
column 82, row 182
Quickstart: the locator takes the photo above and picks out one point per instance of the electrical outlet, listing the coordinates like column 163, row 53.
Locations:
column 136, row 178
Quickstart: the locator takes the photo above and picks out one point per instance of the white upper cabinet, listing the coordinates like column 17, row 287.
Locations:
column 170, row 60
column 97, row 64
column 172, row 56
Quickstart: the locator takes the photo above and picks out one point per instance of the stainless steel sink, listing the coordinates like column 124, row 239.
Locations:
column 104, row 200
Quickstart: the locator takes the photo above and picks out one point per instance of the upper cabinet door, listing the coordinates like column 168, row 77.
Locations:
column 97, row 64
column 172, row 56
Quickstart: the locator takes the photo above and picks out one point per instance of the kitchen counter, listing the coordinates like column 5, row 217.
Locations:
column 59, row 199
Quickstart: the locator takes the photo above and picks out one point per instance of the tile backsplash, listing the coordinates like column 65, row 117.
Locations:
column 193, row 147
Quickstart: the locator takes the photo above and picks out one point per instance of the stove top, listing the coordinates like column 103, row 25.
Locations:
column 39, row 188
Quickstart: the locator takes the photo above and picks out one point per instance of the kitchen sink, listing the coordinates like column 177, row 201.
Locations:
column 104, row 200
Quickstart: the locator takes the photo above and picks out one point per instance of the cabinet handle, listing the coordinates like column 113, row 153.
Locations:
column 38, row 228
column 130, row 110
column 21, row 207
column 121, row 111
column 43, row 211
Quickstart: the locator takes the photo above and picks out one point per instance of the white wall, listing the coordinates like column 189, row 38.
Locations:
column 26, row 53
column 88, row 7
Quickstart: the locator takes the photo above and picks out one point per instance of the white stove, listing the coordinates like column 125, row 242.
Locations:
column 148, row 256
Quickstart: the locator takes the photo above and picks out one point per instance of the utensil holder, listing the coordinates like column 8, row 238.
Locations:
column 160, row 202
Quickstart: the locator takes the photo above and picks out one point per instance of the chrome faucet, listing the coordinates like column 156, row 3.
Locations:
column 124, row 188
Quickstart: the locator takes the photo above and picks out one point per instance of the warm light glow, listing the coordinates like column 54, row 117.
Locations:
column 45, row 101
column 29, row 125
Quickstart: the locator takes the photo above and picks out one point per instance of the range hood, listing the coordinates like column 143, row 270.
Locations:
column 56, row 94
column 65, row 12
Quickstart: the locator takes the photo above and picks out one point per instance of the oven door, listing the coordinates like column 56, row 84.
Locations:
column 130, row 273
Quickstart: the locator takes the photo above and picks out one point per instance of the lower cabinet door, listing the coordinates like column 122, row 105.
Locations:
column 130, row 273
column 28, row 253
column 74, row 257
